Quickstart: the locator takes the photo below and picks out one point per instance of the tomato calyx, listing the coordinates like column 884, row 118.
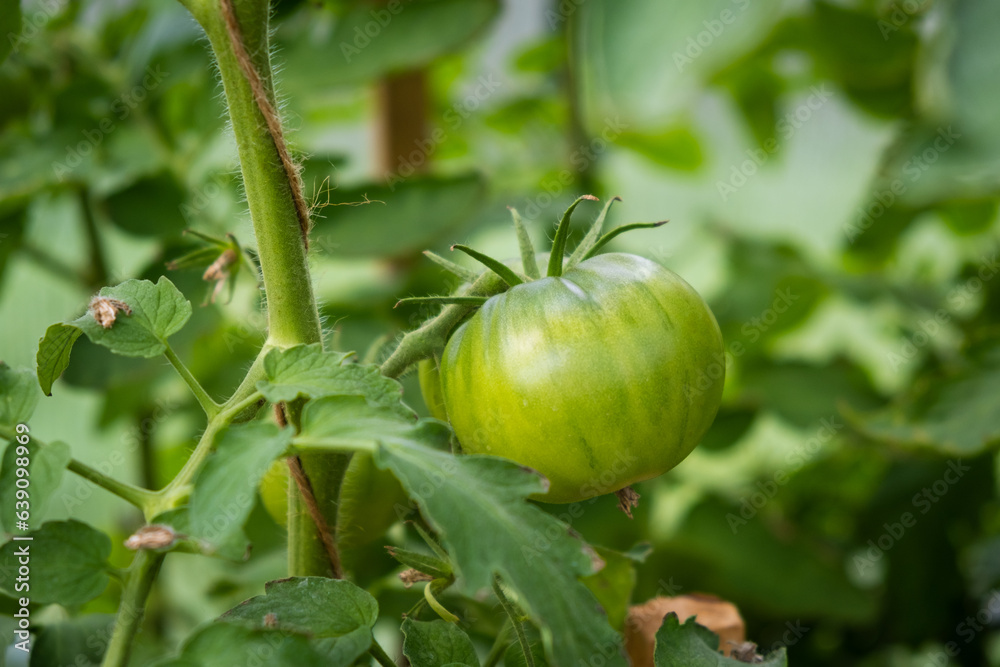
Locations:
column 478, row 288
column 558, row 263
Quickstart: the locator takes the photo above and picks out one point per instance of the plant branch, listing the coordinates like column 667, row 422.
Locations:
column 210, row 407
column 499, row 646
column 381, row 657
column 422, row 342
column 141, row 575
column 238, row 33
column 262, row 97
column 140, row 498
column 131, row 494
column 98, row 269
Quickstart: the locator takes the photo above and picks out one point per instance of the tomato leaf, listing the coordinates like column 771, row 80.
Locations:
column 306, row 371
column 435, row 643
column 226, row 486
column 336, row 613
column 72, row 642
column 45, row 471
column 613, row 584
column 479, row 506
column 68, row 563
column 18, row 395
column 693, row 645
column 227, row 644
column 54, row 350
column 954, row 413
column 158, row 311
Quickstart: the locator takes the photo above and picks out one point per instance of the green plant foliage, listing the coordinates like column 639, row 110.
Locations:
column 337, row 615
column 71, row 641
column 18, row 396
column 478, row 505
column 953, row 414
column 222, row 644
column 371, row 40
column 436, row 643
column 306, row 371
column 830, row 172
column 68, row 563
column 224, row 488
column 692, row 645
column 44, row 471
column 157, row 312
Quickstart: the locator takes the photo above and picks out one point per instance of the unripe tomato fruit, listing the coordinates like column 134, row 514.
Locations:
column 605, row 376
column 430, row 389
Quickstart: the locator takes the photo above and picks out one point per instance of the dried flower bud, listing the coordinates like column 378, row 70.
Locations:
column 105, row 310
column 219, row 269
column 747, row 652
column 627, row 499
column 412, row 576
column 155, row 536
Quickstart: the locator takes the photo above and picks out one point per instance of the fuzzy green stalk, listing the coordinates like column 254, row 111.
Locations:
column 273, row 201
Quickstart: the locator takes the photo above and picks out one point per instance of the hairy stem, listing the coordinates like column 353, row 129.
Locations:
column 210, row 407
column 271, row 194
column 421, row 342
column 131, row 494
column 238, row 33
column 142, row 573
column 514, row 614
column 141, row 498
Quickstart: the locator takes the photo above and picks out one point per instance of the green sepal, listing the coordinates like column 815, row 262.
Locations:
column 562, row 235
column 436, row 567
column 524, row 244
column 506, row 273
column 593, row 234
column 621, row 230
column 467, row 275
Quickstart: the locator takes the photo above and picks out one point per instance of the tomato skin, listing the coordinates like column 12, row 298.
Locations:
column 430, row 389
column 598, row 379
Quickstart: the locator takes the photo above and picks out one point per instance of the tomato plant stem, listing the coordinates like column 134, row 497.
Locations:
column 238, row 33
column 499, row 647
column 141, row 498
column 381, row 657
column 210, row 407
column 422, row 342
column 143, row 571
column 514, row 614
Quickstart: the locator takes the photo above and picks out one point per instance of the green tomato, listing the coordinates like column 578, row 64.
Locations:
column 600, row 378
column 430, row 388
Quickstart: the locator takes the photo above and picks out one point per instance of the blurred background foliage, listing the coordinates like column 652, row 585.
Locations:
column 831, row 170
